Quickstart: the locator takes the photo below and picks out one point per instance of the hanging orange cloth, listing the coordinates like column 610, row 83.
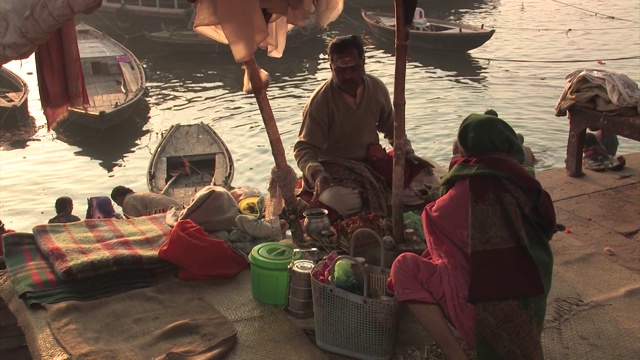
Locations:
column 248, row 24
column 60, row 77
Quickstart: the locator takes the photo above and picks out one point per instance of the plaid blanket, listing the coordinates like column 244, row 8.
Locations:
column 36, row 282
column 97, row 246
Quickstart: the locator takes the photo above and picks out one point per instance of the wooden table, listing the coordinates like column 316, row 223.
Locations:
column 581, row 118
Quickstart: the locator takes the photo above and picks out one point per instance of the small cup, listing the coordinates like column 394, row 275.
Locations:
column 409, row 235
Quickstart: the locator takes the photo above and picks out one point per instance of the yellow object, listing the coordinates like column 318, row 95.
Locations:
column 249, row 206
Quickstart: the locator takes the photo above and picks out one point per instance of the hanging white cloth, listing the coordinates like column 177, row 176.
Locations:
column 26, row 24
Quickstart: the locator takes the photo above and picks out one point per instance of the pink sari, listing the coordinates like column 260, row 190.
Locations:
column 441, row 275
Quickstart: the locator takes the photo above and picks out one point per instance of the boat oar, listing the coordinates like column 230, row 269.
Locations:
column 277, row 149
column 170, row 182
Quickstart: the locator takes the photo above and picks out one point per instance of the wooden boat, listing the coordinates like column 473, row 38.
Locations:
column 14, row 111
column 121, row 18
column 114, row 78
column 188, row 39
column 431, row 33
column 188, row 158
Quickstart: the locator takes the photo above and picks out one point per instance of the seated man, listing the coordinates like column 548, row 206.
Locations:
column 64, row 207
column 338, row 148
column 136, row 204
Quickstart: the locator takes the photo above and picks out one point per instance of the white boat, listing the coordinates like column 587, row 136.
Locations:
column 188, row 158
column 114, row 79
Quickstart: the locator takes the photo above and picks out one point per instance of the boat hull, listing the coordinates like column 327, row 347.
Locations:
column 14, row 108
column 114, row 78
column 121, row 19
column 196, row 147
column 188, row 39
column 459, row 37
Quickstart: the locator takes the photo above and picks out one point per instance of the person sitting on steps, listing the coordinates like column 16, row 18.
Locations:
column 64, row 207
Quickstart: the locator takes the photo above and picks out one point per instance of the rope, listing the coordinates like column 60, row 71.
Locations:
column 287, row 179
column 564, row 30
column 558, row 61
column 596, row 13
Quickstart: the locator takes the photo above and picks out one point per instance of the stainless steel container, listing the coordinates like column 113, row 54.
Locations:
column 300, row 303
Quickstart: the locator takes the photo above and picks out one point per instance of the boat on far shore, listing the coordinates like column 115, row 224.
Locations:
column 14, row 92
column 430, row 33
column 188, row 158
column 188, row 39
column 124, row 18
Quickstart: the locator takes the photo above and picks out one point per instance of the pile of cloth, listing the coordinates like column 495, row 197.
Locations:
column 109, row 290
column 85, row 260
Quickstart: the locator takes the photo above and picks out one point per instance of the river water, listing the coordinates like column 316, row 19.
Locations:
column 519, row 73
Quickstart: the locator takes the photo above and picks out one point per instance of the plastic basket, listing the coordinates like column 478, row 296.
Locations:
column 353, row 325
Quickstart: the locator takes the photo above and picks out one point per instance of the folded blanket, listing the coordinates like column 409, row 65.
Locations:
column 97, row 246
column 36, row 283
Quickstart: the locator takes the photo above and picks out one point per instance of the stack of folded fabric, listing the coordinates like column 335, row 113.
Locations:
column 85, row 260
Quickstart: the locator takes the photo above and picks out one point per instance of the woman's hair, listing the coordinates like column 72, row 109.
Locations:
column 119, row 191
column 105, row 206
column 342, row 44
column 101, row 207
column 63, row 204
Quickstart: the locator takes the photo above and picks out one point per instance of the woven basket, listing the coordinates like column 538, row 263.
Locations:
column 353, row 325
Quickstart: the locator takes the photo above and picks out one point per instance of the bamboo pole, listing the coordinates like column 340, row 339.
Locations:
column 399, row 151
column 277, row 149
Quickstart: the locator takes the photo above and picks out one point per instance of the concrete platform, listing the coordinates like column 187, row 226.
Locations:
column 594, row 306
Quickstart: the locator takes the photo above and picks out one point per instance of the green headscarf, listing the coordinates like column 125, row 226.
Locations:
column 480, row 134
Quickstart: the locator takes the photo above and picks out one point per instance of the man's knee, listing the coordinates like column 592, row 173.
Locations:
column 345, row 201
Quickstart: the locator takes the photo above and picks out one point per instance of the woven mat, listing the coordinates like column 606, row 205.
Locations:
column 166, row 320
column 593, row 309
column 264, row 332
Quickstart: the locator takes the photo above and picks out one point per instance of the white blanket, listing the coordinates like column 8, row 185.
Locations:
column 25, row 24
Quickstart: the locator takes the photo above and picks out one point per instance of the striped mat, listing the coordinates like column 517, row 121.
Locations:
column 97, row 246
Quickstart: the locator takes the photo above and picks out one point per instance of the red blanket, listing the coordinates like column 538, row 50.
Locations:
column 199, row 256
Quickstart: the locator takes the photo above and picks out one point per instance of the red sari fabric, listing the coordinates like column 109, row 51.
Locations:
column 60, row 77
column 442, row 274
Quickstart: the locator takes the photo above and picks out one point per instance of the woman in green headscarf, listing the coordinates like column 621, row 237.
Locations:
column 487, row 267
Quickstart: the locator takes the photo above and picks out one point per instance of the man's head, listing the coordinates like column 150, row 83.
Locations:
column 119, row 193
column 346, row 56
column 64, row 205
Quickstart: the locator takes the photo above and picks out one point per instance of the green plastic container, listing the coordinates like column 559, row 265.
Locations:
column 270, row 273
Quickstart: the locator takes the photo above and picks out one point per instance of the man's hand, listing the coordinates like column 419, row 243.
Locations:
column 415, row 159
column 323, row 182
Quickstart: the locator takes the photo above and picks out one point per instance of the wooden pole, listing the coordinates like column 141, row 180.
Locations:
column 399, row 151
column 277, row 149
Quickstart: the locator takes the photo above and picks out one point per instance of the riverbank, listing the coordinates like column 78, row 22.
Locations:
column 592, row 308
